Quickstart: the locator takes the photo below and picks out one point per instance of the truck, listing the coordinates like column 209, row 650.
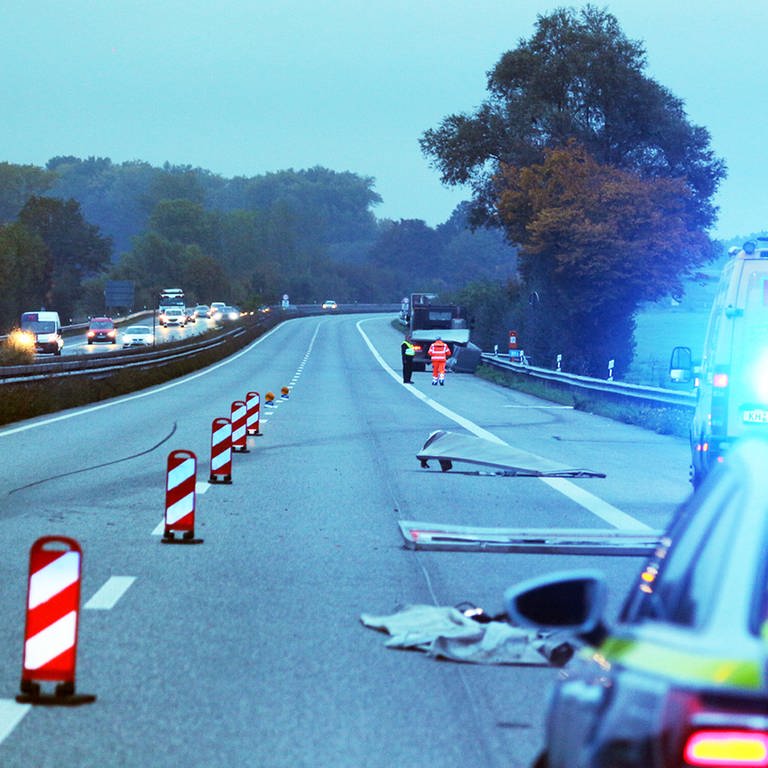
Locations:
column 426, row 319
column 732, row 377
column 170, row 298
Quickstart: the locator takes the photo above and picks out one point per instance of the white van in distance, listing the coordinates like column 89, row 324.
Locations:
column 46, row 328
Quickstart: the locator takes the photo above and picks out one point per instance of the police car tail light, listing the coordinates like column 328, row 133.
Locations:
column 726, row 748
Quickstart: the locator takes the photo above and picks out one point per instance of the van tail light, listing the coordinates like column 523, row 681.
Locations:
column 719, row 414
column 726, row 748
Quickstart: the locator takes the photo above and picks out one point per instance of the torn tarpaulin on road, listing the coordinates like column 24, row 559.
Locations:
column 447, row 633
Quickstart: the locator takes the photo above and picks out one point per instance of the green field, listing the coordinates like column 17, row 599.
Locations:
column 666, row 324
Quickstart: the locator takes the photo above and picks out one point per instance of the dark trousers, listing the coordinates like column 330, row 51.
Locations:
column 407, row 368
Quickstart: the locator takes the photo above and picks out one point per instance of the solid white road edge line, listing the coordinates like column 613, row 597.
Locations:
column 11, row 713
column 111, row 591
column 575, row 493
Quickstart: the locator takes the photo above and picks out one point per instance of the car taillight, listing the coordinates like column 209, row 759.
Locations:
column 721, row 732
column 726, row 748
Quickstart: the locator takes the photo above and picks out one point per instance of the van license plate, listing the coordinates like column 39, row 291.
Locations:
column 756, row 416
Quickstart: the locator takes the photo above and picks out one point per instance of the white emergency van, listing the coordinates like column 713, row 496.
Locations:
column 46, row 328
column 732, row 380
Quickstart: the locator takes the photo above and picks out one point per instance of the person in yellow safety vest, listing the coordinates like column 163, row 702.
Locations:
column 439, row 352
column 407, row 351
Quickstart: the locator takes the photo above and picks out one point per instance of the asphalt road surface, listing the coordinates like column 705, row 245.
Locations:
column 247, row 649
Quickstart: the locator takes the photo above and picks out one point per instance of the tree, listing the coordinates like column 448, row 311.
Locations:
column 598, row 241
column 578, row 77
column 24, row 273
column 409, row 252
column 186, row 222
column 17, row 184
column 77, row 249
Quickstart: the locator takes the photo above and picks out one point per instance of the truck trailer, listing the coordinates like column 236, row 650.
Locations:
column 427, row 319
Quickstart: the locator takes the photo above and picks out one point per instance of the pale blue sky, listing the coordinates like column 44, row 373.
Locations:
column 245, row 87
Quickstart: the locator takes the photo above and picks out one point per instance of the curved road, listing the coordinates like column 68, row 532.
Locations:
column 247, row 650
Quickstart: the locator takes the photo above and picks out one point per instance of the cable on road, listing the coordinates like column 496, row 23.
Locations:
column 97, row 466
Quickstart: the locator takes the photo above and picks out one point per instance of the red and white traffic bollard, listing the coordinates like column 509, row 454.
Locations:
column 50, row 635
column 252, row 413
column 239, row 435
column 181, row 477
column 515, row 354
column 221, row 451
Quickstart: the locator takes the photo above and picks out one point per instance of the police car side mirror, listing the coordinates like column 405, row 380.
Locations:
column 572, row 601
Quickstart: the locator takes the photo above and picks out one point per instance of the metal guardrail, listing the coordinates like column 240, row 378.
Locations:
column 654, row 396
column 93, row 365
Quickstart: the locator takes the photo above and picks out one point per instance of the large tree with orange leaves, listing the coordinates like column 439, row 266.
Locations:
column 599, row 240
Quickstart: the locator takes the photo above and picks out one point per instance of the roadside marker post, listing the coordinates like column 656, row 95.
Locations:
column 50, row 634
column 239, row 434
column 221, row 451
column 180, row 494
column 253, row 413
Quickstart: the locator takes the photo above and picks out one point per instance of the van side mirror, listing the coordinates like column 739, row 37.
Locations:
column 569, row 600
column 681, row 365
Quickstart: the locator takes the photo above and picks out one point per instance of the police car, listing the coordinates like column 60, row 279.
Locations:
column 681, row 679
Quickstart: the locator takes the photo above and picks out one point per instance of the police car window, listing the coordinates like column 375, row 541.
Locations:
column 685, row 580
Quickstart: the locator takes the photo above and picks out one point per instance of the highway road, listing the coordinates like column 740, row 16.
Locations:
column 247, row 649
column 77, row 344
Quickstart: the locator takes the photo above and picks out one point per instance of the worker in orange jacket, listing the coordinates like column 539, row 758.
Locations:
column 439, row 352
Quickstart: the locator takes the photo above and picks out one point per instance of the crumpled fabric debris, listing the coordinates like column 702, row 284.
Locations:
column 446, row 633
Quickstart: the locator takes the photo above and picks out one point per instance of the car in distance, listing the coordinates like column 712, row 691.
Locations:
column 215, row 307
column 191, row 314
column 137, row 336
column 201, row 310
column 173, row 316
column 226, row 314
column 330, row 304
column 101, row 329
column 681, row 679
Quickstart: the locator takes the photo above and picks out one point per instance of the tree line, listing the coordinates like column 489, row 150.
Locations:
column 68, row 228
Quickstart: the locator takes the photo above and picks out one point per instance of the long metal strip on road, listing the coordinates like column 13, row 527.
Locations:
column 578, row 541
